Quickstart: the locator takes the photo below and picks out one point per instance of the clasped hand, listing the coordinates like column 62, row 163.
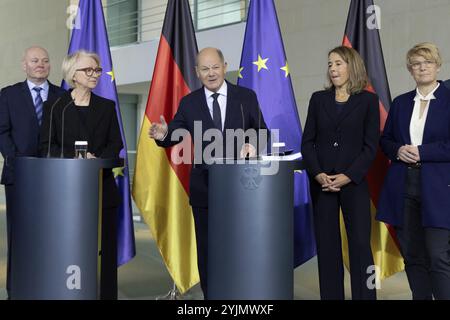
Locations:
column 408, row 153
column 332, row 183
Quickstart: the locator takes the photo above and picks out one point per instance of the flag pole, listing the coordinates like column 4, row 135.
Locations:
column 173, row 294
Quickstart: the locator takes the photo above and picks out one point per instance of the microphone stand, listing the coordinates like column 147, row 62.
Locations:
column 62, row 128
column 50, row 129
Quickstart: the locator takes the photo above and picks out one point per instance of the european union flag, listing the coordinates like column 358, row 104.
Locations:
column 90, row 34
column 264, row 69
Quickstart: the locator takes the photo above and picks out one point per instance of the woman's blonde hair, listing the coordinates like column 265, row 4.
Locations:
column 358, row 79
column 70, row 64
column 427, row 50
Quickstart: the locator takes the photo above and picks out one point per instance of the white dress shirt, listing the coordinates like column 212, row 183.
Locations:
column 222, row 99
column 417, row 124
column 44, row 91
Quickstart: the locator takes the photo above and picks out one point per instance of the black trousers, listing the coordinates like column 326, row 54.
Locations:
column 201, row 236
column 354, row 201
column 426, row 251
column 108, row 270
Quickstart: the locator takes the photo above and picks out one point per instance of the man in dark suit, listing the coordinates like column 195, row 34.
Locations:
column 21, row 107
column 218, row 105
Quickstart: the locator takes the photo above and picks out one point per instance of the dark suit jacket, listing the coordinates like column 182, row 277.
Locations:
column 19, row 128
column 434, row 157
column 193, row 107
column 341, row 143
column 101, row 131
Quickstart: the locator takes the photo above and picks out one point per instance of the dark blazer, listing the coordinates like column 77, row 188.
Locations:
column 447, row 83
column 341, row 143
column 434, row 157
column 101, row 131
column 194, row 107
column 19, row 128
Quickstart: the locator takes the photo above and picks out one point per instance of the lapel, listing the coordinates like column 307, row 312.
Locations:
column 71, row 122
column 406, row 112
column 94, row 115
column 28, row 99
column 330, row 106
column 205, row 115
column 350, row 106
column 51, row 91
column 232, row 108
column 71, row 119
column 435, row 109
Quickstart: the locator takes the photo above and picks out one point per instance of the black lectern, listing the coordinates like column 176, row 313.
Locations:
column 250, row 231
column 56, row 228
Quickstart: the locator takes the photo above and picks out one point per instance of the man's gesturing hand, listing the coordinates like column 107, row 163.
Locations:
column 158, row 131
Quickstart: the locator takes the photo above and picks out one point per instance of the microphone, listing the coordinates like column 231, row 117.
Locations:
column 50, row 129
column 62, row 127
column 246, row 156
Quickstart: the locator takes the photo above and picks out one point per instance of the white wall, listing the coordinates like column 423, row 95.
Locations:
column 24, row 23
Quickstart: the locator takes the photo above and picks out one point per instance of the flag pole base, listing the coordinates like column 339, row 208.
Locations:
column 173, row 294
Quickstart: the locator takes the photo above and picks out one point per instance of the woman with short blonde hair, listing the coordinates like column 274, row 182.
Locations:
column 427, row 50
column 70, row 64
column 415, row 194
column 81, row 115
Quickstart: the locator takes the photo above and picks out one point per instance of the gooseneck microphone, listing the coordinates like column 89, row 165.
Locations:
column 50, row 129
column 243, row 128
column 62, row 127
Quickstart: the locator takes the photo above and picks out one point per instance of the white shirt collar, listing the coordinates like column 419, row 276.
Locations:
column 222, row 90
column 44, row 85
column 429, row 96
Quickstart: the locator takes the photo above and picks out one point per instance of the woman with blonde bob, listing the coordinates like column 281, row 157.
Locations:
column 339, row 144
column 88, row 117
column 415, row 197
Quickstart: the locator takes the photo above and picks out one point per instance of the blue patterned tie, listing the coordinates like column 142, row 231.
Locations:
column 217, row 117
column 39, row 104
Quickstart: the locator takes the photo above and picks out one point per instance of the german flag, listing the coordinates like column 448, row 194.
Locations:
column 161, row 187
column 361, row 33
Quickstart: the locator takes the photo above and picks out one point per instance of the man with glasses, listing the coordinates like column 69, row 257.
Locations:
column 21, row 108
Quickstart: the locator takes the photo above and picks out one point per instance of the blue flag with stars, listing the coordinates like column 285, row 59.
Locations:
column 264, row 69
column 90, row 34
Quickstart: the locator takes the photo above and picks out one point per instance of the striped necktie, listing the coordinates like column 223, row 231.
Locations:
column 39, row 104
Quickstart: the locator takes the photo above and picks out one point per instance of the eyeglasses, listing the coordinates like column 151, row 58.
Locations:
column 206, row 69
column 417, row 65
column 91, row 71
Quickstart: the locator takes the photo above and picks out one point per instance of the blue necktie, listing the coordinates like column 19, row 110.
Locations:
column 217, row 117
column 39, row 104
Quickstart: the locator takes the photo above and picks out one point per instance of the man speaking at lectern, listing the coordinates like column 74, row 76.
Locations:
column 217, row 105
column 21, row 107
